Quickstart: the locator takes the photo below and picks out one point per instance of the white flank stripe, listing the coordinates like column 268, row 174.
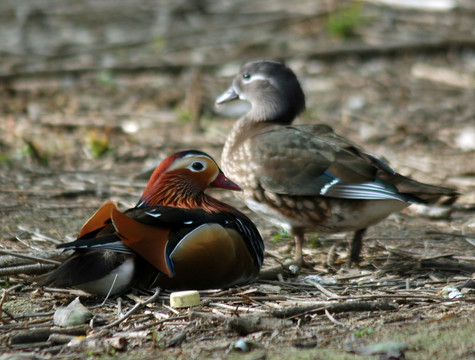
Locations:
column 152, row 214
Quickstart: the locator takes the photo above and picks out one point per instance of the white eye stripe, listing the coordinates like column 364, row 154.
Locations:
column 194, row 155
column 255, row 77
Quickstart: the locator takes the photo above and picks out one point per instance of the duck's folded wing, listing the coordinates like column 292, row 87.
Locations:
column 182, row 222
column 317, row 162
column 309, row 158
column 150, row 242
column 99, row 220
column 84, row 266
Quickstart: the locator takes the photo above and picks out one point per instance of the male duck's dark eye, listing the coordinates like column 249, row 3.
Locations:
column 197, row 166
column 246, row 76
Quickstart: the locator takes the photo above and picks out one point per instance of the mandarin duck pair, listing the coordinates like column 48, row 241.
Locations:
column 300, row 177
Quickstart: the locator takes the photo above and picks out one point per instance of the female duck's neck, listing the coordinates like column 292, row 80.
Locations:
column 272, row 112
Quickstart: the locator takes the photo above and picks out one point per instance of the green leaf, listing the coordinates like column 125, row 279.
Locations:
column 343, row 23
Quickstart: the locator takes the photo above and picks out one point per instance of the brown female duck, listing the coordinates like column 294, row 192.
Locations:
column 305, row 177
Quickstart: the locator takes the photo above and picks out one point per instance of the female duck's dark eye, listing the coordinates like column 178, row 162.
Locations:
column 246, row 76
column 197, row 166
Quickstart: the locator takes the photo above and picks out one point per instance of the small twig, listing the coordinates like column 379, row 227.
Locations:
column 41, row 236
column 465, row 258
column 9, row 315
column 10, row 289
column 323, row 290
column 153, row 324
column 30, row 257
column 110, row 290
column 391, row 296
column 236, row 308
column 4, row 296
column 332, row 319
column 255, row 299
column 169, row 308
column 351, row 277
column 134, row 309
column 75, row 292
column 33, row 315
column 27, row 243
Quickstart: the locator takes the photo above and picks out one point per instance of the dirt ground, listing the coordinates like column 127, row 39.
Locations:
column 74, row 134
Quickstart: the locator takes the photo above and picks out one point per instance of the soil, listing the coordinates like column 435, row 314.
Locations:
column 71, row 142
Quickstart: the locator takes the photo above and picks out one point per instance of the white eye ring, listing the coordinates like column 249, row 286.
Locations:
column 197, row 166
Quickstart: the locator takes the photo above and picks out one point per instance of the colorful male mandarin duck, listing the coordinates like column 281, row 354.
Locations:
column 305, row 177
column 176, row 236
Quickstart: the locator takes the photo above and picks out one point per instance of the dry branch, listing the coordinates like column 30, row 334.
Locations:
column 352, row 306
column 40, row 335
column 26, row 269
